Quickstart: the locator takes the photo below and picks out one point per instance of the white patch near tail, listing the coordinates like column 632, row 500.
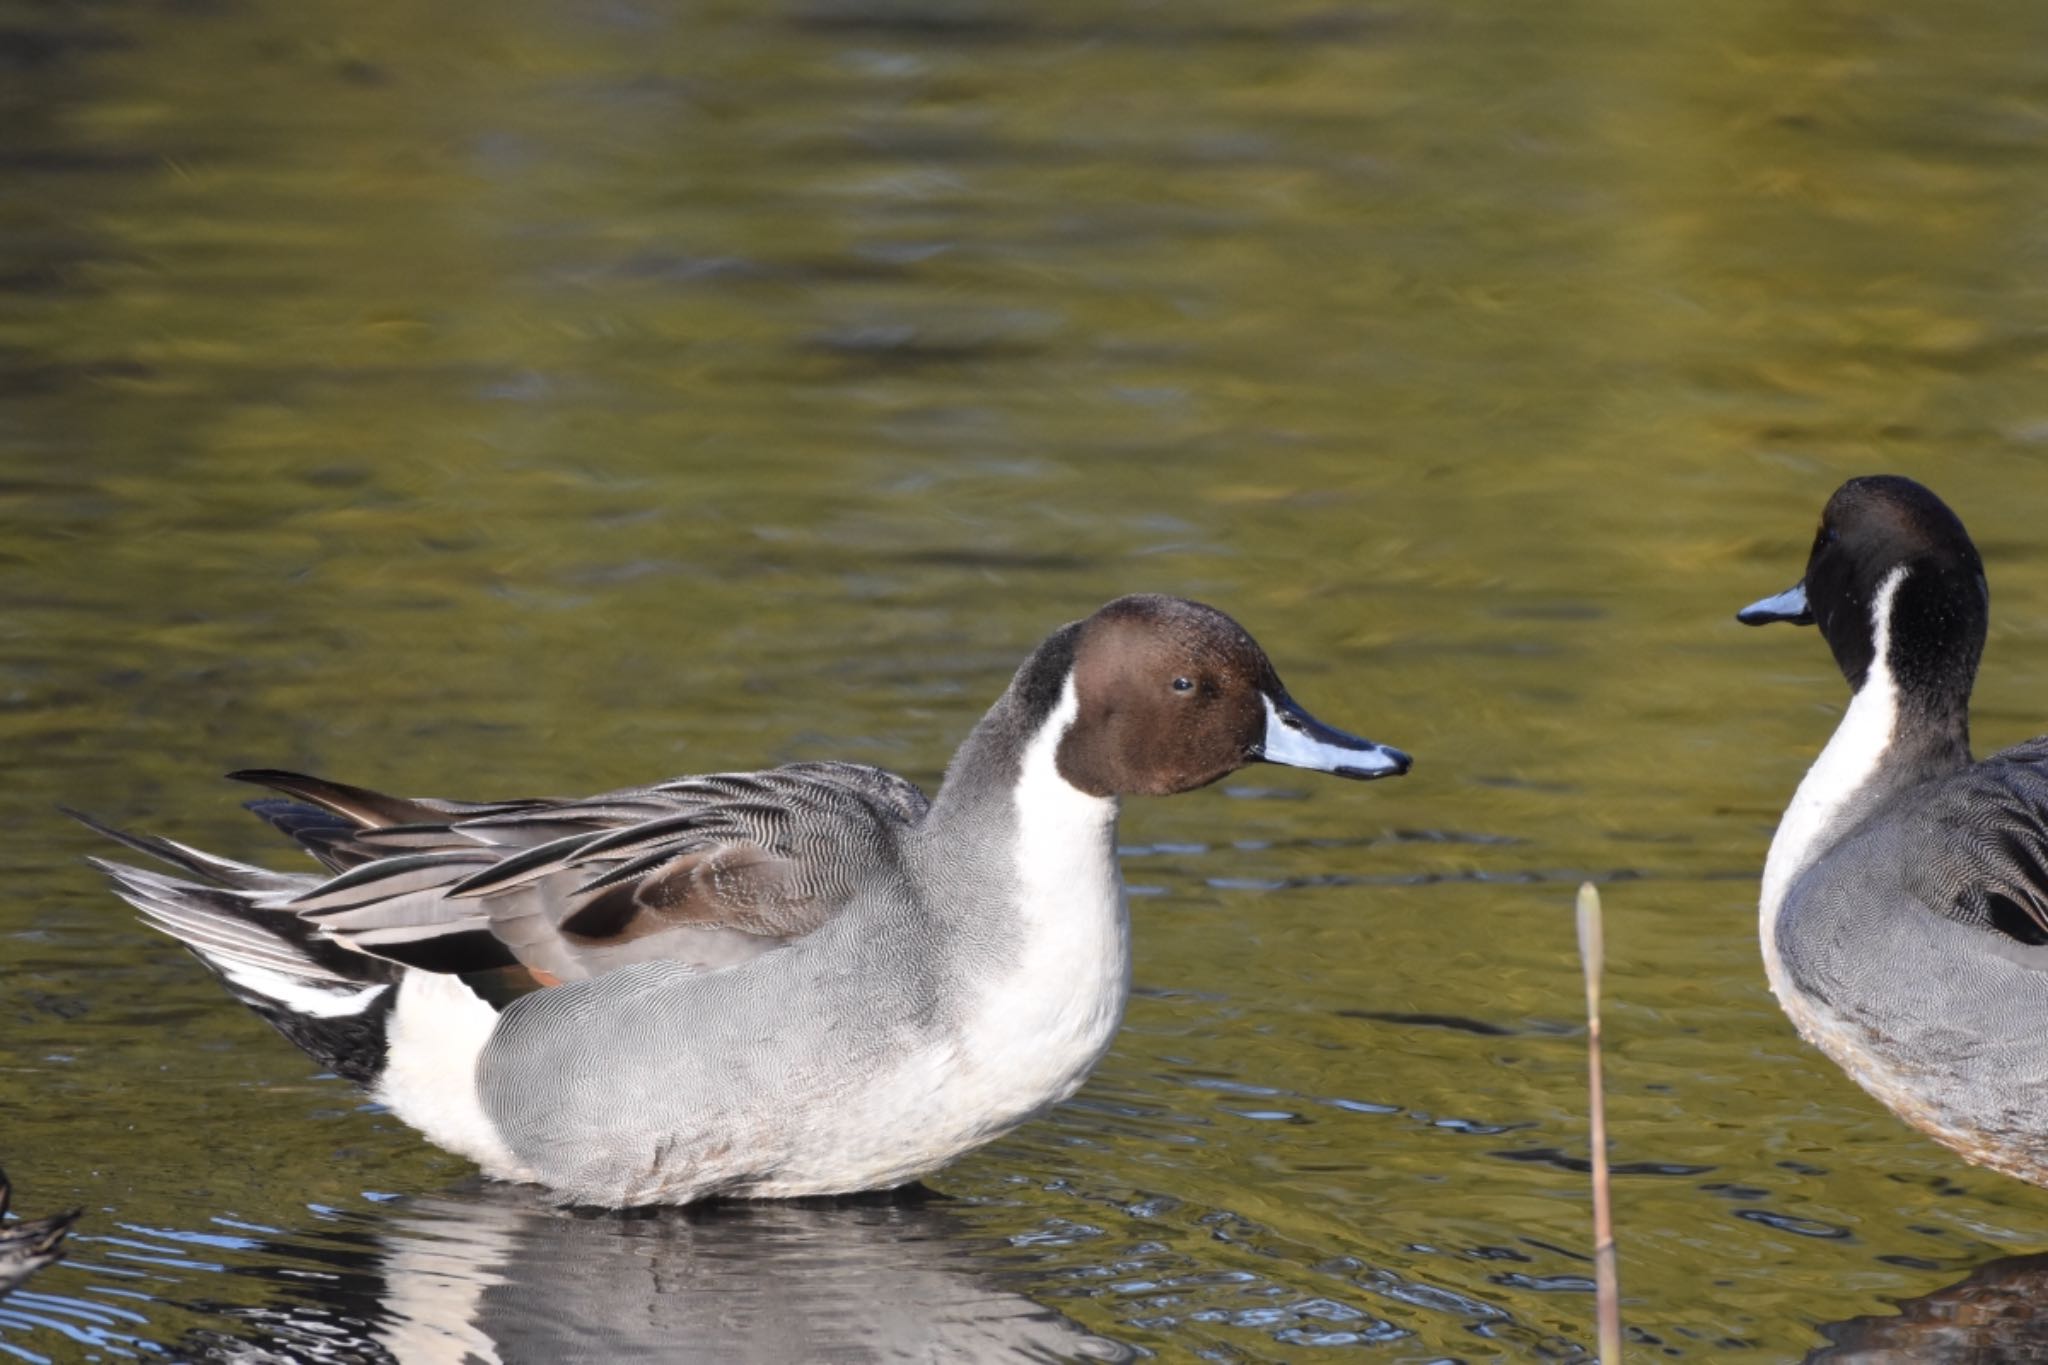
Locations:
column 319, row 999
column 436, row 1032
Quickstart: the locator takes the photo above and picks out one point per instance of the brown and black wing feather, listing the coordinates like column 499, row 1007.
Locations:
column 709, row 870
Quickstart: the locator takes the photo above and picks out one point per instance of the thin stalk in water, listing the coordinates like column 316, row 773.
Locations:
column 1606, row 1277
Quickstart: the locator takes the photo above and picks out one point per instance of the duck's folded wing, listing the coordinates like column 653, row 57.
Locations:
column 1988, row 860
column 707, row 871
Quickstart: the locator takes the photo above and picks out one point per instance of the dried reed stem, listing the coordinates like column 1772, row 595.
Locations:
column 1606, row 1277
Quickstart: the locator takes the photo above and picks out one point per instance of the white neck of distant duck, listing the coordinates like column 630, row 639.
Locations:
column 1845, row 780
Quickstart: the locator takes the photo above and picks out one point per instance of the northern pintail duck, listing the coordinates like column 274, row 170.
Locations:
column 803, row 981
column 28, row 1245
column 1905, row 898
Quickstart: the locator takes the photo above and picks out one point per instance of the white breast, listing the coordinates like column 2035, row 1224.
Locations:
column 1851, row 759
column 1053, row 1015
column 1038, row 1026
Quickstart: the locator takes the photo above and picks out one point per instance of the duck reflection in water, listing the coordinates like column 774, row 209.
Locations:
column 1998, row 1314
column 28, row 1245
column 499, row 1275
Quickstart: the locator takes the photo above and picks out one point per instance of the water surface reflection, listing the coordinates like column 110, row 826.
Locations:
column 495, row 1274
column 1998, row 1314
column 619, row 390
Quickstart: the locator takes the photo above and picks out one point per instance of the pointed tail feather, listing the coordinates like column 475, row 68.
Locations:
column 333, row 1003
column 369, row 809
column 225, row 871
column 412, row 1037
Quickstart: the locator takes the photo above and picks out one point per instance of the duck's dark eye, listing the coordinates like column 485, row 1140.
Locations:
column 1830, row 535
column 1183, row 685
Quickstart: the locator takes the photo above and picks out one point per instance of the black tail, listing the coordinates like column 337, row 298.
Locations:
column 333, row 1003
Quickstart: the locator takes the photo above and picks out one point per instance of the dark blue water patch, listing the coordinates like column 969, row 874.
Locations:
column 1730, row 1191
column 1579, row 1165
column 1939, row 1184
column 676, row 268
column 1546, row 1284
column 1448, row 836
column 1905, row 1262
column 1473, row 1127
column 1800, row 1227
column 891, row 21
column 57, row 1006
column 1455, row 1022
column 1554, row 1249
column 905, row 346
column 1718, row 1343
column 1122, row 1109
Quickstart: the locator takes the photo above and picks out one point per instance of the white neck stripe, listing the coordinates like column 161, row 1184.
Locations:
column 1851, row 758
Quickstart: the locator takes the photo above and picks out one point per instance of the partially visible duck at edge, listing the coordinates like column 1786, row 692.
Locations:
column 29, row 1244
column 1905, row 897
column 809, row 980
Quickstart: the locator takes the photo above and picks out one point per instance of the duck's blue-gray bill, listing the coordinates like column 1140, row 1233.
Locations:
column 1789, row 605
column 1299, row 740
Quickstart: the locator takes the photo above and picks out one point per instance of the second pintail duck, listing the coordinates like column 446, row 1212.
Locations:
column 1905, row 896
column 809, row 980
column 29, row 1244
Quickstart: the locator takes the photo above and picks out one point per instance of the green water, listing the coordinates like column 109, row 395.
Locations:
column 483, row 400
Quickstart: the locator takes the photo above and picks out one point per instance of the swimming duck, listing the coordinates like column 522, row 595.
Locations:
column 1905, row 897
column 28, row 1245
column 808, row 980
